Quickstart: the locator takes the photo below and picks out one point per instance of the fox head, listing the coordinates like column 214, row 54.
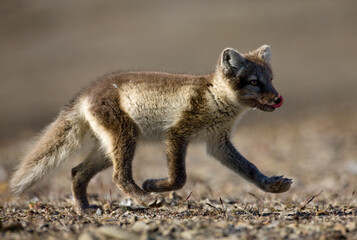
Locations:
column 250, row 75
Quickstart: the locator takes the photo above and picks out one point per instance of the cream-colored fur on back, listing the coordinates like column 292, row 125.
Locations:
column 58, row 140
column 154, row 108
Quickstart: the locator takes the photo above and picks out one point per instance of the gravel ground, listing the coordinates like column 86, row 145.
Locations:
column 50, row 49
column 317, row 150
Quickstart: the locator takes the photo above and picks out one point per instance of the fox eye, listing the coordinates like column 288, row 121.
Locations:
column 253, row 82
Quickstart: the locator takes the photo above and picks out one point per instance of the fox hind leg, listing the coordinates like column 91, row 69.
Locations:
column 83, row 173
column 117, row 134
column 123, row 154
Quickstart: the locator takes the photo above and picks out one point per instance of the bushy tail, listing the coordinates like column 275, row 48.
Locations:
column 57, row 141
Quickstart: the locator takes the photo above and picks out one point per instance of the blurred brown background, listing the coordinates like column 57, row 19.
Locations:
column 50, row 49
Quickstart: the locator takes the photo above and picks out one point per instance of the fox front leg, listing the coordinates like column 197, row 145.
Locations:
column 223, row 150
column 175, row 148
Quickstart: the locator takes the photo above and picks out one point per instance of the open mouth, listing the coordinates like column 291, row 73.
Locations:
column 271, row 107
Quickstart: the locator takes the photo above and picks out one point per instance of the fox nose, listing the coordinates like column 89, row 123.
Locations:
column 278, row 99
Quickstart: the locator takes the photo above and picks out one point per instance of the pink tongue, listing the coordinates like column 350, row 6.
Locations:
column 278, row 104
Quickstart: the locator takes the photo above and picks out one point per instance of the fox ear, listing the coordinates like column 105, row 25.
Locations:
column 263, row 52
column 231, row 62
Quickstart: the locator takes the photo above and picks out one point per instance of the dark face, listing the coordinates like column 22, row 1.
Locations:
column 255, row 87
column 251, row 76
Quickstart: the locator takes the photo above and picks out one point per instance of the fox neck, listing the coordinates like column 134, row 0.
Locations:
column 225, row 98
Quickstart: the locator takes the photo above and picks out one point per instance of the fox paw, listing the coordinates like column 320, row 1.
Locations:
column 88, row 209
column 151, row 201
column 277, row 184
column 149, row 185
